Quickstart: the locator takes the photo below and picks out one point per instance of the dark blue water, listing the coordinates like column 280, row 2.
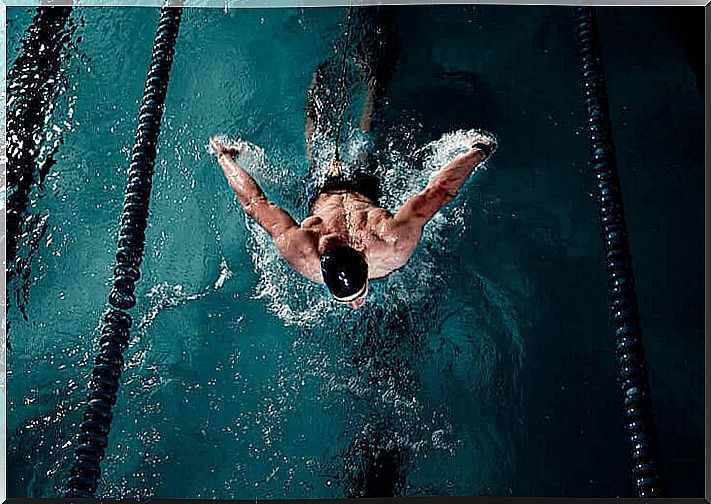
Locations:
column 487, row 361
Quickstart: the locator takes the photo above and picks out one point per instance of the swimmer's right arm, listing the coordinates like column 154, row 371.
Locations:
column 290, row 239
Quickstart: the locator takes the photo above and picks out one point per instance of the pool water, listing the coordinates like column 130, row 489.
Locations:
column 486, row 363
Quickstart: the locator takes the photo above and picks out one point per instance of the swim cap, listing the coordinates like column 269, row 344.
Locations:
column 344, row 271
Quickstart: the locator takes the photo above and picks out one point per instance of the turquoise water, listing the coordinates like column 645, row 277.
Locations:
column 487, row 360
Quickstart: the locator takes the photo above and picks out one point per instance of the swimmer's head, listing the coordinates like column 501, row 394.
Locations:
column 345, row 273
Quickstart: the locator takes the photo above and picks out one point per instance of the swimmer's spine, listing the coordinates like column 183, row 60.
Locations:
column 96, row 424
column 629, row 352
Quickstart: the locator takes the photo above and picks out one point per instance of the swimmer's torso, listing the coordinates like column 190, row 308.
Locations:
column 353, row 219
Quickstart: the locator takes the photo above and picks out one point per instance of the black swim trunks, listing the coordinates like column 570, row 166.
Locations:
column 360, row 179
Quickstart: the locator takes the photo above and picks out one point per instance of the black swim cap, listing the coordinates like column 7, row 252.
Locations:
column 344, row 271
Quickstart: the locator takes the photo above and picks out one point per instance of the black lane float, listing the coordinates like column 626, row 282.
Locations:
column 629, row 352
column 104, row 384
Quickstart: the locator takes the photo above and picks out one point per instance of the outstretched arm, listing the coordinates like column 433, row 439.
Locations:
column 273, row 219
column 442, row 189
column 295, row 245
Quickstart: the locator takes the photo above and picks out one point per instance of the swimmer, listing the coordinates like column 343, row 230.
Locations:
column 348, row 240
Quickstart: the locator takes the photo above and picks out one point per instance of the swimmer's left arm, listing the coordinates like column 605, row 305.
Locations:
column 294, row 244
column 275, row 220
column 404, row 229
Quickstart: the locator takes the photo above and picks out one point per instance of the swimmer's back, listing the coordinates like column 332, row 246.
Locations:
column 369, row 229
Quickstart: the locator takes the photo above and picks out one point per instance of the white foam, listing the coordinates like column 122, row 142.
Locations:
column 163, row 296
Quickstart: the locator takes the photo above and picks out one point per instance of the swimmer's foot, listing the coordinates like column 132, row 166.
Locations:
column 222, row 146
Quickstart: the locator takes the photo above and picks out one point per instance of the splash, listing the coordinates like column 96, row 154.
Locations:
column 165, row 296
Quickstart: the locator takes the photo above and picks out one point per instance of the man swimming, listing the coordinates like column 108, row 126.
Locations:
column 348, row 240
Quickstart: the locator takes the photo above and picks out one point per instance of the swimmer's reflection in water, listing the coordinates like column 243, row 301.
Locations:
column 348, row 240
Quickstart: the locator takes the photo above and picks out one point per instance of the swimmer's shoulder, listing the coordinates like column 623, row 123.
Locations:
column 379, row 220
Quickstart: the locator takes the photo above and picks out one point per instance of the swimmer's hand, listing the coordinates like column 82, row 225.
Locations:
column 222, row 146
column 483, row 142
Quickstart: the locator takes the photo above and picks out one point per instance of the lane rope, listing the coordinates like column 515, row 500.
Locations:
column 638, row 415
column 96, row 425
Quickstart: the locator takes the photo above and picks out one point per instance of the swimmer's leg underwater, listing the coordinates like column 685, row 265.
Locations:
column 372, row 47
